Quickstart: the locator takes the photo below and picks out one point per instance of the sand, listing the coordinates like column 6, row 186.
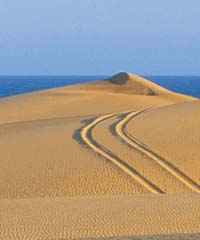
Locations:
column 113, row 158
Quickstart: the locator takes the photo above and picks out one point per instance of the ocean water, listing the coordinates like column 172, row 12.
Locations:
column 13, row 85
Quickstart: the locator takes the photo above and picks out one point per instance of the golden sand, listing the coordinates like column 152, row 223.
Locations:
column 113, row 158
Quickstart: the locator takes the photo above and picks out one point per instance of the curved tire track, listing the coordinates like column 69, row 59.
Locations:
column 86, row 136
column 120, row 128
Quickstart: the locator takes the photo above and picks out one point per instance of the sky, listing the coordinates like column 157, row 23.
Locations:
column 92, row 37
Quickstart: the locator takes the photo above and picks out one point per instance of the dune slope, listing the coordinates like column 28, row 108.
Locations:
column 117, row 157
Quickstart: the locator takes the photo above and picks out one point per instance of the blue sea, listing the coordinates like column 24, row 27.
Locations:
column 13, row 85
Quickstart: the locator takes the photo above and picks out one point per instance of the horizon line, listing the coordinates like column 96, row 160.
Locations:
column 94, row 75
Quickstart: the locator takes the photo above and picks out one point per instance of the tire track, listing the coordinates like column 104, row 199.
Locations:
column 86, row 137
column 120, row 129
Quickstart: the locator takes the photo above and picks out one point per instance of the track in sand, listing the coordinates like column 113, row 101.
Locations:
column 168, row 166
column 86, row 135
column 120, row 129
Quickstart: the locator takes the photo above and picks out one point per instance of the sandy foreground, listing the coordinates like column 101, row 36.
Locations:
column 113, row 159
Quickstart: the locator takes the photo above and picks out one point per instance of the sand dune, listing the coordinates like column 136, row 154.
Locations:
column 112, row 158
column 65, row 102
column 127, row 83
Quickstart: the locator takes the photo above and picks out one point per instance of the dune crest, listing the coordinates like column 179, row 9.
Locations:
column 125, row 83
column 132, row 83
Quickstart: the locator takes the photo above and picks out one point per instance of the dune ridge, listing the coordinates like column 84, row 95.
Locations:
column 125, row 83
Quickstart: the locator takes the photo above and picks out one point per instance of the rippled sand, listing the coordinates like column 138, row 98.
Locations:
column 113, row 158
